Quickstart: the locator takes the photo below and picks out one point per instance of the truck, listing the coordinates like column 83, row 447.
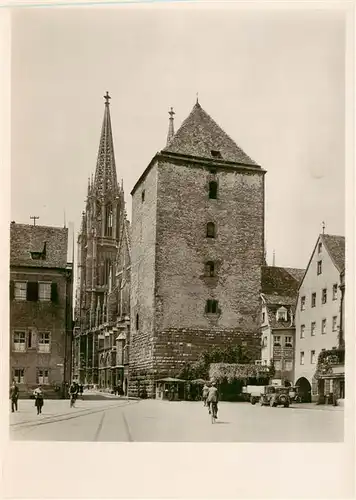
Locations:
column 253, row 392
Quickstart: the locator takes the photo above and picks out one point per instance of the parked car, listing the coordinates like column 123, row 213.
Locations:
column 294, row 396
column 275, row 396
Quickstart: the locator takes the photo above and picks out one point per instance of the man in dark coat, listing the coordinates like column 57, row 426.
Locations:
column 14, row 396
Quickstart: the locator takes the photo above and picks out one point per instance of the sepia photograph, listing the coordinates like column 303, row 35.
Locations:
column 177, row 235
column 179, row 264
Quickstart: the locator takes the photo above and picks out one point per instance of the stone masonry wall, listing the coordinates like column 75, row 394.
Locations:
column 182, row 289
column 40, row 317
column 143, row 254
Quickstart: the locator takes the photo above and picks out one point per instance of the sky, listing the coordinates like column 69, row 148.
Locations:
column 273, row 80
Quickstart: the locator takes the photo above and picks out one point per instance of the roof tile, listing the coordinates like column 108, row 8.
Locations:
column 336, row 248
column 199, row 135
column 26, row 238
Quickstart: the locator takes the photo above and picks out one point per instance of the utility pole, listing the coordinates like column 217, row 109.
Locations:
column 34, row 217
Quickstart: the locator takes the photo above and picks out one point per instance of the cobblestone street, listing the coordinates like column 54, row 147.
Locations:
column 114, row 419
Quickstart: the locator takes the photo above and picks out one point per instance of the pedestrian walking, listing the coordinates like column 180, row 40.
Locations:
column 213, row 399
column 38, row 393
column 205, row 394
column 14, row 396
column 81, row 389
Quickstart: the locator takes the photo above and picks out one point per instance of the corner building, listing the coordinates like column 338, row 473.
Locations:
column 197, row 251
column 41, row 322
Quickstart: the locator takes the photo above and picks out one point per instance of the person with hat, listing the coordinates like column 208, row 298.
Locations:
column 14, row 396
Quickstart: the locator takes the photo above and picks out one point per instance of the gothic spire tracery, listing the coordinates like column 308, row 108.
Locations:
column 171, row 126
column 105, row 180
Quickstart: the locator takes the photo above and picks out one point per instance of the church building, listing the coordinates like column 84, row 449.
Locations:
column 197, row 241
column 103, row 224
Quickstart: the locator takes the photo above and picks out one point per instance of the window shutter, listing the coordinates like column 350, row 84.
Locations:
column 54, row 292
column 12, row 290
column 32, row 291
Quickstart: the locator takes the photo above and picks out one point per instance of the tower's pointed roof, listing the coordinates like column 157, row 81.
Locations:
column 105, row 174
column 199, row 135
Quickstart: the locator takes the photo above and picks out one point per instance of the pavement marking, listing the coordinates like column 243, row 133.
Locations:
column 66, row 416
column 129, row 435
column 100, row 426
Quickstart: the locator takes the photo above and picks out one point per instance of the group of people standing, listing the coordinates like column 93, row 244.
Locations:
column 14, row 396
column 210, row 398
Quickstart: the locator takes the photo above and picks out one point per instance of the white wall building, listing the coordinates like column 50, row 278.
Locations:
column 318, row 311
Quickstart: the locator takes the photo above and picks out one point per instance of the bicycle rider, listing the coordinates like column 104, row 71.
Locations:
column 213, row 399
column 73, row 393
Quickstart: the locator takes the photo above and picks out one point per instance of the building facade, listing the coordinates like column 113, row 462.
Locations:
column 98, row 244
column 279, row 295
column 197, row 249
column 41, row 294
column 113, row 343
column 318, row 313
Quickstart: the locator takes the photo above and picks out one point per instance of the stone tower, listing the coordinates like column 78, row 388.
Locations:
column 97, row 251
column 197, row 250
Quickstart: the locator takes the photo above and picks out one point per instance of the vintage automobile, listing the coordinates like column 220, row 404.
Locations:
column 274, row 395
column 294, row 395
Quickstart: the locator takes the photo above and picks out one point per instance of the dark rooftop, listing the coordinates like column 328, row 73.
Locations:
column 38, row 246
column 281, row 281
column 336, row 248
column 199, row 135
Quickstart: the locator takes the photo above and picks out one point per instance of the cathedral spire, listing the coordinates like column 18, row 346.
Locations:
column 171, row 126
column 105, row 173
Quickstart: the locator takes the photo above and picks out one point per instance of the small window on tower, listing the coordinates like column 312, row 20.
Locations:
column 213, row 190
column 210, row 230
column 212, row 307
column 143, row 196
column 215, row 153
column 210, row 269
column 137, row 321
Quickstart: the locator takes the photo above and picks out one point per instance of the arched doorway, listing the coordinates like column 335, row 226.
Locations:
column 304, row 389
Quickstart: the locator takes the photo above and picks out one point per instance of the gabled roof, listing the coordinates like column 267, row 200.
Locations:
column 280, row 282
column 199, row 135
column 51, row 243
column 335, row 245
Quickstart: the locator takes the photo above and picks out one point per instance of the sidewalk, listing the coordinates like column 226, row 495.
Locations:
column 314, row 406
column 54, row 408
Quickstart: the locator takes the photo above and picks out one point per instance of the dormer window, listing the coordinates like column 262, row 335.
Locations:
column 215, row 153
column 282, row 314
column 39, row 255
column 320, row 246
